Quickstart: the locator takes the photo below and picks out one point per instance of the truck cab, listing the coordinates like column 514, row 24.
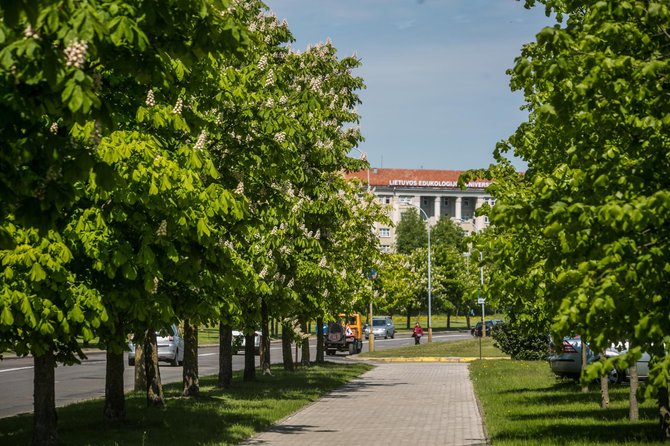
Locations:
column 345, row 334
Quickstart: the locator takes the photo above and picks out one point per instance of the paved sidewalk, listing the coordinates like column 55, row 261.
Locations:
column 393, row 404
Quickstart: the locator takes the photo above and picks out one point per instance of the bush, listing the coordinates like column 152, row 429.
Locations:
column 520, row 342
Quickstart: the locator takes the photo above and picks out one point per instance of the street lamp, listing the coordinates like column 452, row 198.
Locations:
column 371, row 341
column 430, row 320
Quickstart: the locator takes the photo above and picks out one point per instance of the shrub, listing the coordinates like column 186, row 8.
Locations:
column 521, row 342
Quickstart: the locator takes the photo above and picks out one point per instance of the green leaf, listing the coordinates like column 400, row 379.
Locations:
column 6, row 317
column 37, row 274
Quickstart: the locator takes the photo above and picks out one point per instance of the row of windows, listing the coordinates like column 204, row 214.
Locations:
column 407, row 199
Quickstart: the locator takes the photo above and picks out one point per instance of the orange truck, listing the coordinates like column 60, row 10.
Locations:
column 345, row 334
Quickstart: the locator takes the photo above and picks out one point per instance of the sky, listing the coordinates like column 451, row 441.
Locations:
column 437, row 95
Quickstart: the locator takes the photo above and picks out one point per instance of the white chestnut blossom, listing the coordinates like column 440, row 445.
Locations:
column 270, row 78
column 240, row 189
column 150, row 100
column 202, row 139
column 323, row 262
column 263, row 62
column 54, row 128
column 162, row 229
column 280, row 137
column 75, row 53
column 178, row 106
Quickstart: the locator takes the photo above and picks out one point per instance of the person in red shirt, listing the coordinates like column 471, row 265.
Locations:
column 417, row 333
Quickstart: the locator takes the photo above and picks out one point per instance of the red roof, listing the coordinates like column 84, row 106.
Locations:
column 424, row 178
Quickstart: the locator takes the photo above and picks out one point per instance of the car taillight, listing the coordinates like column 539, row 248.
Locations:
column 170, row 338
column 568, row 348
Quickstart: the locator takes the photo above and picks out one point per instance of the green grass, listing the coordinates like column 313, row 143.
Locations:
column 465, row 348
column 525, row 404
column 217, row 417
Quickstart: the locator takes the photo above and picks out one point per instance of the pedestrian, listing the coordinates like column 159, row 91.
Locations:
column 417, row 333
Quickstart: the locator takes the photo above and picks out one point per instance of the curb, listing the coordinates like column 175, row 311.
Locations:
column 452, row 359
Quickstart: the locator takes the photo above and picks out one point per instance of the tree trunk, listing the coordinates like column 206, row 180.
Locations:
column 319, row 341
column 265, row 339
column 449, row 320
column 467, row 320
column 664, row 413
column 286, row 336
column 140, row 369
column 604, row 388
column 154, row 386
column 585, row 386
column 633, row 408
column 115, row 400
column 190, row 371
column 45, row 420
column 304, row 360
column 225, row 356
column 409, row 318
column 249, row 357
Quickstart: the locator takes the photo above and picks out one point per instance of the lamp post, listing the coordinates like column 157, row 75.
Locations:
column 430, row 320
column 371, row 341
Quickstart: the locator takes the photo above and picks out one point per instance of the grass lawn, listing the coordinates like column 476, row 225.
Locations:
column 465, row 348
column 525, row 404
column 217, row 417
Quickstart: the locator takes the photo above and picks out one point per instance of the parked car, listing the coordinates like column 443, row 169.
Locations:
column 239, row 342
column 621, row 375
column 381, row 326
column 170, row 344
column 566, row 361
column 490, row 325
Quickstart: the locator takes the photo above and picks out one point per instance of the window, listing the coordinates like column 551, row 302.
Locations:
column 486, row 219
column 466, row 202
column 384, row 232
column 386, row 248
column 405, row 199
column 385, row 199
column 425, row 201
column 446, row 202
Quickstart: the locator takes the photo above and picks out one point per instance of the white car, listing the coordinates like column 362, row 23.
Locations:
column 239, row 342
column 170, row 344
column 642, row 363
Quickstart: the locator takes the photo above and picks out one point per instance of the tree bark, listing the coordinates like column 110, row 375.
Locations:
column 225, row 356
column 286, row 336
column 249, row 357
column 604, row 388
column 449, row 320
column 319, row 341
column 154, row 389
column 304, row 360
column 664, row 413
column 633, row 407
column 115, row 399
column 265, row 339
column 409, row 318
column 140, row 369
column 190, row 376
column 45, row 420
column 467, row 320
column 585, row 387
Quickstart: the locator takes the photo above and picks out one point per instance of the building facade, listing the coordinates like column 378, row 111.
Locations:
column 435, row 192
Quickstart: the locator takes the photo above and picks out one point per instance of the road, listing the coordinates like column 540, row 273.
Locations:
column 87, row 380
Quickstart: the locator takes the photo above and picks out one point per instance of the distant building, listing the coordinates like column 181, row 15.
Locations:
column 436, row 192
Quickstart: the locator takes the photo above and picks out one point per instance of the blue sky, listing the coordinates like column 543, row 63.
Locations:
column 437, row 95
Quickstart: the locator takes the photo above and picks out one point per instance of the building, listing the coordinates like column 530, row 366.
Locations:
column 435, row 192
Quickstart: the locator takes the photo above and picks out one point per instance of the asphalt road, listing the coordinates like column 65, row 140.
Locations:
column 87, row 380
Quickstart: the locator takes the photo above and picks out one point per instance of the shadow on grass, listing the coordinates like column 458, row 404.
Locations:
column 216, row 417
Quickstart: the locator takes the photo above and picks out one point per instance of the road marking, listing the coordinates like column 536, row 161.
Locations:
column 208, row 354
column 16, row 369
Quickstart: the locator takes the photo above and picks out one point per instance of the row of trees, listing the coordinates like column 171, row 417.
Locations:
column 454, row 276
column 580, row 241
column 166, row 162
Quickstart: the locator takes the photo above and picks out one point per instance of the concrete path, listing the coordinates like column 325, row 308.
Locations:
column 403, row 403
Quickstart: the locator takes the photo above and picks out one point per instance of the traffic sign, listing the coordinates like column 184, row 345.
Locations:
column 481, row 300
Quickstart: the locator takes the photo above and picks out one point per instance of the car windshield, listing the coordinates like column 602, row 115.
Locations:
column 378, row 322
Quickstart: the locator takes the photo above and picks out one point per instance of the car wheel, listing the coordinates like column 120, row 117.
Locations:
column 386, row 335
column 393, row 335
column 173, row 361
column 131, row 361
column 352, row 348
column 614, row 376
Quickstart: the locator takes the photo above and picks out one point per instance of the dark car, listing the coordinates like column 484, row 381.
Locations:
column 490, row 325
